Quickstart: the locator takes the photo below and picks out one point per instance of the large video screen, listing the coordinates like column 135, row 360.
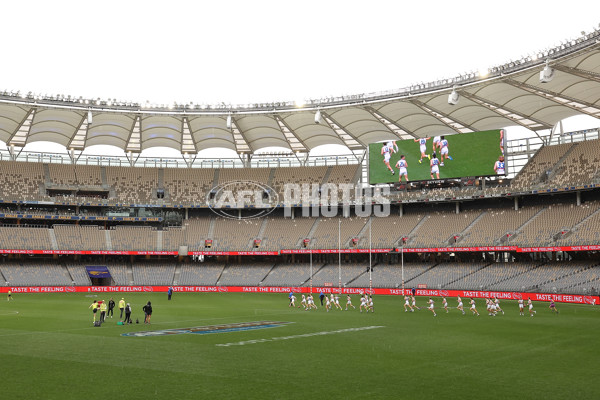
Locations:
column 438, row 157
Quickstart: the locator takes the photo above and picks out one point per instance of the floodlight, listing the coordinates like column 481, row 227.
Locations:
column 228, row 123
column 318, row 118
column 547, row 74
column 89, row 118
column 453, row 97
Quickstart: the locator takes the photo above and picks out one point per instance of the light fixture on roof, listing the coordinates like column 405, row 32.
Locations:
column 89, row 118
column 228, row 122
column 454, row 96
column 547, row 74
column 318, row 117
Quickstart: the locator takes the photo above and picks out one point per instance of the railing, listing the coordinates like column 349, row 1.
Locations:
column 152, row 162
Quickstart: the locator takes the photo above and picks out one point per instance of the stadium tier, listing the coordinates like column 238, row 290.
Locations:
column 580, row 277
column 425, row 226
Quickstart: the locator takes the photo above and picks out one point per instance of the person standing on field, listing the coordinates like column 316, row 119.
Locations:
column 127, row 314
column 103, row 308
column 170, row 292
column 111, row 307
column 121, row 307
column 94, row 307
column 147, row 312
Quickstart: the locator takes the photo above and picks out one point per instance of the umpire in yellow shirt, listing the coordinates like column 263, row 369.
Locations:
column 103, row 308
column 121, row 307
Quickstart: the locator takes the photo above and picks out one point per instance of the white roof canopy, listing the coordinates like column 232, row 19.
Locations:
column 510, row 95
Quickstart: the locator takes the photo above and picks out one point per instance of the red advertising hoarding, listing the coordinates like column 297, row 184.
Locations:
column 314, row 251
column 564, row 298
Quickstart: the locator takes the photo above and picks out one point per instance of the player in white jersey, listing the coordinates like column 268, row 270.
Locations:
column 293, row 301
column 386, row 152
column 407, row 304
column 473, row 308
column 434, row 163
column 445, row 304
column 437, row 143
column 423, row 148
column 303, row 302
column 444, row 151
column 531, row 310
column 521, row 312
column 460, row 305
column 414, row 303
column 491, row 307
column 499, row 166
column 327, row 304
column 431, row 307
column 370, row 303
column 497, row 303
column 402, row 165
column 311, row 302
column 392, row 144
column 337, row 302
column 349, row 302
column 363, row 303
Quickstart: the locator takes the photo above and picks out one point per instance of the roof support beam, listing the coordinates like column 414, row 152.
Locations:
column 132, row 157
column 134, row 143
column 19, row 136
column 451, row 123
column 77, row 142
column 295, row 142
column 580, row 106
column 351, row 141
column 241, row 145
column 594, row 76
column 515, row 116
column 187, row 142
column 398, row 130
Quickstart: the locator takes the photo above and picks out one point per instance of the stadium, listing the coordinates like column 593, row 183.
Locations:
column 233, row 237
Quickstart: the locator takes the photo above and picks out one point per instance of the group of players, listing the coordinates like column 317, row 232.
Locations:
column 492, row 306
column 331, row 302
column 410, row 304
column 440, row 143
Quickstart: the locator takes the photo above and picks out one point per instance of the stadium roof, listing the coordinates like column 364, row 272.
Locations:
column 507, row 95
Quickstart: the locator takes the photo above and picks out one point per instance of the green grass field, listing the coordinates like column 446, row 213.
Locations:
column 50, row 350
column 474, row 154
